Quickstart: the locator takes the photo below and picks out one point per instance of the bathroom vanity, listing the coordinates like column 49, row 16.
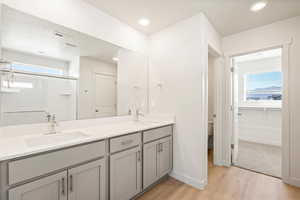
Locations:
column 70, row 105
column 102, row 167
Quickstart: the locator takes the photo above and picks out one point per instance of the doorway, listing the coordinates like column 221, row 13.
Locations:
column 257, row 91
column 211, row 109
column 105, row 102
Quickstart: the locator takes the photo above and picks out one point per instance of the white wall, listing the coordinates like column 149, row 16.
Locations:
column 213, row 38
column 82, row 17
column 132, row 82
column 178, row 85
column 272, row 35
column 260, row 125
column 87, row 89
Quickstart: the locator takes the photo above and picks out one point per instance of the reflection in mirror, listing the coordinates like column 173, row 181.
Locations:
column 48, row 70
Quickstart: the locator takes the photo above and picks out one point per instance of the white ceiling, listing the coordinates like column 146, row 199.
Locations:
column 25, row 33
column 228, row 16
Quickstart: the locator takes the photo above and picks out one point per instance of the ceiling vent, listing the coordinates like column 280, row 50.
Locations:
column 71, row 45
column 58, row 34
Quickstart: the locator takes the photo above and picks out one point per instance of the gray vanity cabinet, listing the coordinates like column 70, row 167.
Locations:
column 157, row 160
column 125, row 174
column 87, row 181
column 164, row 156
column 50, row 188
column 157, row 154
column 150, row 163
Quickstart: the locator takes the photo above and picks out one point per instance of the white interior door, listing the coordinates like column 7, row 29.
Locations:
column 235, row 113
column 105, row 105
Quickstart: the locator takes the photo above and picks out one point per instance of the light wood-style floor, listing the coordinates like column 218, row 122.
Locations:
column 226, row 184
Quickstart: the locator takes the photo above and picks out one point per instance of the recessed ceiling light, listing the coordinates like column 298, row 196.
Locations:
column 258, row 6
column 115, row 59
column 144, row 22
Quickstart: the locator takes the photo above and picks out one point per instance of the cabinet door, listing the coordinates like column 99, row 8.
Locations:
column 125, row 174
column 50, row 188
column 87, row 181
column 165, row 156
column 150, row 154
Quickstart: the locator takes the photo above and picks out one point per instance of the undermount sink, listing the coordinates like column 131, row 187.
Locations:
column 145, row 122
column 54, row 139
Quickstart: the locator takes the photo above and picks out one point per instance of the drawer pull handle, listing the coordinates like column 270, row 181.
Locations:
column 139, row 155
column 63, row 186
column 127, row 142
column 71, row 183
column 160, row 147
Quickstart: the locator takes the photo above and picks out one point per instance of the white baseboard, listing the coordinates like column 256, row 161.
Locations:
column 292, row 181
column 220, row 163
column 199, row 184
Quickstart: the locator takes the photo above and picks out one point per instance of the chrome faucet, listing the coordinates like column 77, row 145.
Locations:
column 138, row 113
column 53, row 124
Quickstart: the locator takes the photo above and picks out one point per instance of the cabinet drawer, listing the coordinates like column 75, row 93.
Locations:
column 124, row 142
column 27, row 168
column 157, row 133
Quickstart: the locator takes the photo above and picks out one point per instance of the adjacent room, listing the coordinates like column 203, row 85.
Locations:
column 259, row 86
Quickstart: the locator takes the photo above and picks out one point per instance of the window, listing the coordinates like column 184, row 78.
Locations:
column 37, row 69
column 263, row 87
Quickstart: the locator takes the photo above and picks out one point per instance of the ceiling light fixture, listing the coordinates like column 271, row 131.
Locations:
column 115, row 59
column 258, row 6
column 144, row 22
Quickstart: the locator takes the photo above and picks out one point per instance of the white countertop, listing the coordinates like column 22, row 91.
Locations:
column 16, row 147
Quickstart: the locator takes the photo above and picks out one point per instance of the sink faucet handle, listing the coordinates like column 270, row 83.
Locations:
column 54, row 120
column 139, row 113
column 48, row 116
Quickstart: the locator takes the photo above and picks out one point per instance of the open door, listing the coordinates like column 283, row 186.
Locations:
column 235, row 113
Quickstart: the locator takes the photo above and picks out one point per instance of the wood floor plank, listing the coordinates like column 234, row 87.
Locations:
column 226, row 184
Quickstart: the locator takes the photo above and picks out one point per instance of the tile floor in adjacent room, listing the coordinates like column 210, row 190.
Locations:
column 260, row 158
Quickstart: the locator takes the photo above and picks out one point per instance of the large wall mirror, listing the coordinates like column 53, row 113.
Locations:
column 47, row 69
